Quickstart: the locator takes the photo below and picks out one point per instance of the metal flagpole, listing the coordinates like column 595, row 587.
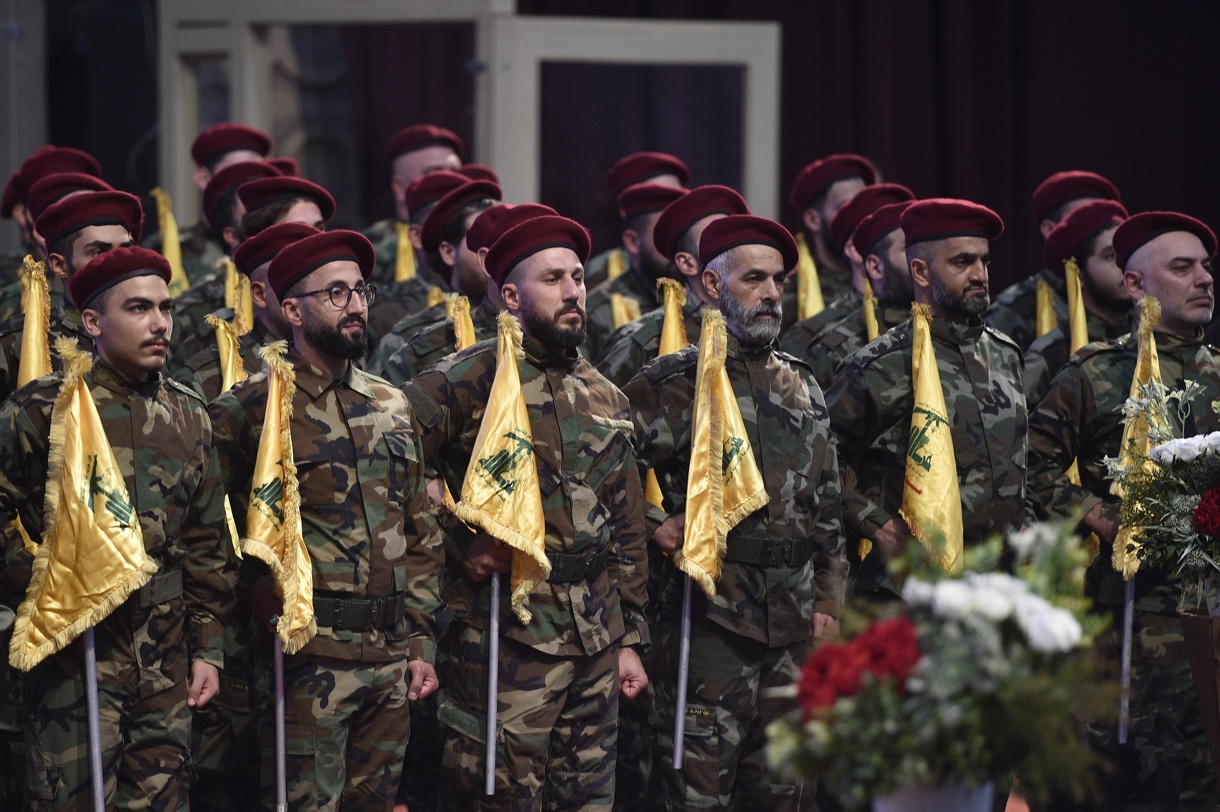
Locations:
column 95, row 722
column 1124, row 700
column 683, row 675
column 281, row 754
column 493, row 686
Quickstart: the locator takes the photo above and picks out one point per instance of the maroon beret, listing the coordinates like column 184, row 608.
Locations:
column 112, row 267
column 289, row 167
column 263, row 246
column 864, row 203
column 479, row 172
column 427, row 189
column 689, row 209
column 820, row 175
column 229, row 179
column 536, row 234
column 1071, row 237
column 1064, row 187
column 297, row 260
column 735, row 230
column 493, row 222
column 410, row 139
column 639, row 167
column 1140, row 229
column 218, row 139
column 54, row 188
column 256, row 194
column 434, row 224
column 91, row 209
column 645, row 198
column 940, row 218
column 45, row 161
column 877, row 225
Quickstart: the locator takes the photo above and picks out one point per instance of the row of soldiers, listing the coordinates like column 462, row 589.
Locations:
column 817, row 353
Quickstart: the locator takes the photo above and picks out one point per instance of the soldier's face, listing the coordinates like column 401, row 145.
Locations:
column 93, row 241
column 1176, row 269
column 341, row 332
column 304, row 211
column 896, row 284
column 420, row 162
column 467, row 277
column 750, row 292
column 131, row 324
column 958, row 276
column 1101, row 276
column 546, row 293
column 268, row 304
column 652, row 263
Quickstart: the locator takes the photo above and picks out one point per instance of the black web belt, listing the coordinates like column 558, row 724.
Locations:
column 358, row 614
column 763, row 551
column 162, row 588
column 570, row 567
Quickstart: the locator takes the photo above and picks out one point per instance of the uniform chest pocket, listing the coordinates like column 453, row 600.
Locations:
column 402, row 459
column 608, row 449
column 176, row 481
column 318, row 482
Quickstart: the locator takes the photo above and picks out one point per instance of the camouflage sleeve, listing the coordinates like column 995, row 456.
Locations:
column 855, row 415
column 389, row 344
column 1058, row 428
column 655, row 443
column 234, row 442
column 423, row 562
column 829, row 557
column 23, row 475
column 628, row 562
column 1037, row 374
column 623, row 355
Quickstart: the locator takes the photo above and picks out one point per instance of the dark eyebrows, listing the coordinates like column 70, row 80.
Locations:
column 107, row 244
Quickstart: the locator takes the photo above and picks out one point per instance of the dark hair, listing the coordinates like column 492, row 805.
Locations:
column 455, row 230
column 63, row 246
column 416, row 218
column 223, row 214
column 688, row 244
column 921, row 250
column 262, row 218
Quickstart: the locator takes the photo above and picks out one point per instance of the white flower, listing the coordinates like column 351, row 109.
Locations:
column 1034, row 540
column 994, row 594
column 1186, row 449
column 1048, row 628
column 917, row 592
column 953, row 599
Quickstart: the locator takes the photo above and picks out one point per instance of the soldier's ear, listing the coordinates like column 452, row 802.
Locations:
column 852, row 254
column 874, row 268
column 416, row 235
column 398, row 185
column 291, row 308
column 90, row 319
column 1046, row 227
column 448, row 254
column 511, row 296
column 631, row 241
column 1133, row 281
column 711, row 283
column 231, row 238
column 920, row 273
column 58, row 265
column 812, row 220
column 258, row 292
column 687, row 264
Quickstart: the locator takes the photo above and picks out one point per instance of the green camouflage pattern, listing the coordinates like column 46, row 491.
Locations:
column 632, row 285
column 201, row 370
column 12, row 745
column 10, row 268
column 806, row 333
column 397, row 301
column 842, row 338
column 384, row 236
column 1047, row 355
column 597, row 269
column 1013, row 312
column 65, row 321
column 634, row 345
column 399, row 334
column 201, row 253
column 224, row 733
column 191, row 309
column 427, row 345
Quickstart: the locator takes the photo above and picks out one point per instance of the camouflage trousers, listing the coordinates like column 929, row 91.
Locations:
column 727, row 712
column 12, row 746
column 346, row 727
column 145, row 757
column 557, row 726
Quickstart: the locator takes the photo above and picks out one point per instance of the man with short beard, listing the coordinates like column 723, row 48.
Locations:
column 368, row 526
column 948, row 253
column 781, row 586
column 560, row 674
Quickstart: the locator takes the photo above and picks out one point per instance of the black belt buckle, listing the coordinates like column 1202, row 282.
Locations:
column 335, row 619
column 383, row 613
column 777, row 553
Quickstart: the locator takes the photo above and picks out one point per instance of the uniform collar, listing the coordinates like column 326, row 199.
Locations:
column 107, row 376
column 957, row 332
column 1169, row 341
column 746, row 352
column 547, row 357
column 315, row 382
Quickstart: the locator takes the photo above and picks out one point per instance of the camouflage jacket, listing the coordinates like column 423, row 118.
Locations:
column 631, row 285
column 785, row 415
column 870, row 406
column 384, row 236
column 204, row 297
column 395, row 302
column 65, row 320
column 10, row 267
column 798, row 338
column 835, row 284
column 591, row 493
column 367, row 521
column 162, row 439
column 200, row 251
column 634, row 345
column 1080, row 418
column 597, row 269
column 844, row 337
column 202, row 372
column 392, row 340
column 1047, row 355
column 1013, row 312
column 430, row 344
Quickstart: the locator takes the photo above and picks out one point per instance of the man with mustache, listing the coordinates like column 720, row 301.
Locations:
column 366, row 522
column 781, row 586
column 1168, row 256
column 562, row 673
column 948, row 253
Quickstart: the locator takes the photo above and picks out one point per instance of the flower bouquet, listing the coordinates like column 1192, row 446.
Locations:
column 976, row 679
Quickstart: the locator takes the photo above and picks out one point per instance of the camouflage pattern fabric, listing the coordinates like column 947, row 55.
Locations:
column 65, row 320
column 224, row 734
column 1047, row 355
column 835, row 284
column 634, row 345
column 10, row 296
column 400, row 333
column 10, row 268
column 384, row 236
column 201, row 370
column 633, row 286
column 200, row 250
column 1013, row 312
column 804, row 334
column 12, row 747
column 205, row 296
column 415, row 349
column 597, row 269
column 842, row 338
column 397, row 301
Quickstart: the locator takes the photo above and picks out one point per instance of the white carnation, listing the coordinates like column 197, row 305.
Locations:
column 1048, row 628
column 954, row 599
column 1034, row 540
column 917, row 592
column 1186, row 449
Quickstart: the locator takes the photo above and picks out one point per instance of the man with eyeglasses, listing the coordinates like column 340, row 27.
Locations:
column 368, row 526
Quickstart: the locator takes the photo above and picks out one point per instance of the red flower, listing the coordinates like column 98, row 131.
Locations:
column 885, row 649
column 1207, row 514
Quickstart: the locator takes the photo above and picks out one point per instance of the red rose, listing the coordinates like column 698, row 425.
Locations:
column 885, row 649
column 1207, row 514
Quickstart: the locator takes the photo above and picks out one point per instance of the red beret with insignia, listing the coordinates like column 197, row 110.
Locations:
column 493, row 222
column 91, row 209
column 940, row 218
column 218, row 139
column 1140, row 229
column 410, row 139
column 112, row 267
column 862, row 204
column 536, row 234
column 1064, row 187
column 266, row 244
column 737, row 230
column 54, row 188
column 434, row 224
column 45, row 161
column 690, row 208
column 256, row 194
column 877, row 225
column 297, row 260
column 639, row 167
column 1071, row 237
column 820, row 175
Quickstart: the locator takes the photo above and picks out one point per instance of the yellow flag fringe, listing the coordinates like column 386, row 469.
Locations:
column 404, row 258
column 1044, row 317
column 463, row 325
column 35, row 360
column 809, row 298
column 171, row 242
column 869, row 308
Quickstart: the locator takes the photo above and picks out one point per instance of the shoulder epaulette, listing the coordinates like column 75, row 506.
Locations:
column 184, row 389
column 1004, row 337
column 667, row 366
column 796, row 361
column 894, row 340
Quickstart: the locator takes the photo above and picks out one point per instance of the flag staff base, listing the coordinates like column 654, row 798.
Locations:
column 493, row 686
column 1124, row 699
column 281, row 750
column 683, row 676
column 95, row 722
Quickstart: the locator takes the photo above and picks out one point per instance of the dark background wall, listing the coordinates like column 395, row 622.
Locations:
column 951, row 97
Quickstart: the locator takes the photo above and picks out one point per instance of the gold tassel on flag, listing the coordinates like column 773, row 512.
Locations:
column 35, row 334
column 1044, row 318
column 1137, row 429
column 809, row 300
column 171, row 243
column 623, row 310
column 931, row 499
column 404, row 259
column 273, row 518
column 463, row 325
column 501, row 493
column 673, row 338
column 92, row 554
column 724, row 484
column 615, row 264
column 869, row 308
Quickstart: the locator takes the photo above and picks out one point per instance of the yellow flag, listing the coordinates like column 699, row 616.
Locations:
column 435, row 296
column 238, row 297
column 615, row 264
column 869, row 308
column 673, row 338
column 501, row 493
column 232, row 370
column 171, row 243
column 1044, row 318
column 809, row 300
column 931, row 500
column 273, row 517
column 623, row 310
column 1078, row 326
column 92, row 554
column 35, row 334
column 404, row 259
column 463, row 326
column 723, row 484
column 1136, row 430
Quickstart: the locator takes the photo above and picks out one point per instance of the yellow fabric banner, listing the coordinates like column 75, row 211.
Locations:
column 273, row 518
column 615, row 264
column 623, row 310
column 232, row 370
column 92, row 554
column 809, row 300
column 869, row 308
column 35, row 334
column 171, row 243
column 501, row 493
column 1136, row 430
column 723, row 484
column 435, row 296
column 931, row 499
column 1044, row 317
column 238, row 297
column 1078, row 326
column 673, row 338
column 404, row 259
column 463, row 325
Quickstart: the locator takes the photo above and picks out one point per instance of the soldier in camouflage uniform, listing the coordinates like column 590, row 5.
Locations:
column 369, row 528
column 159, row 652
column 561, row 674
column 1086, row 235
column 782, row 580
column 1168, row 256
column 1014, row 311
column 870, row 400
